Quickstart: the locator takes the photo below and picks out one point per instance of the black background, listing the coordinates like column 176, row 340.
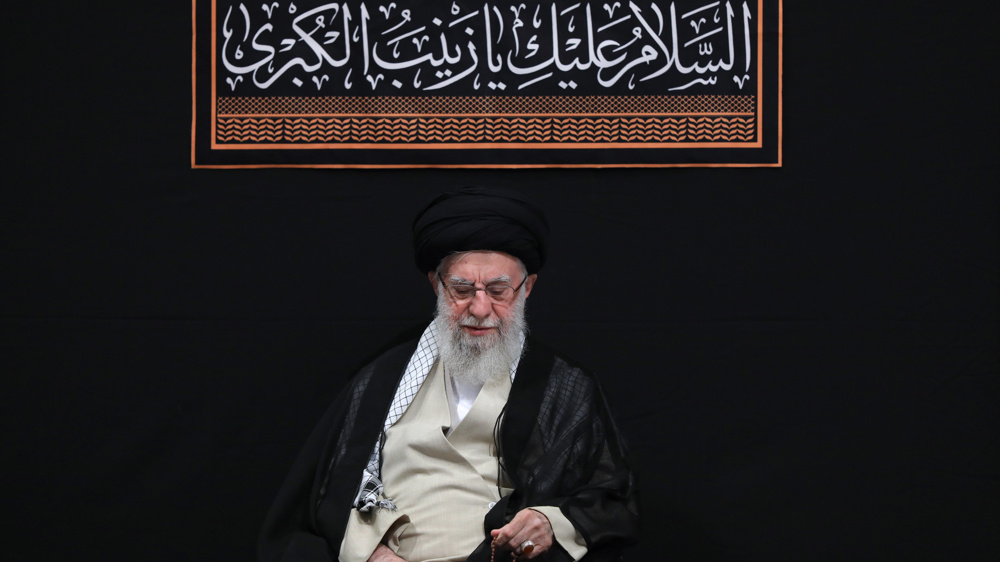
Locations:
column 804, row 359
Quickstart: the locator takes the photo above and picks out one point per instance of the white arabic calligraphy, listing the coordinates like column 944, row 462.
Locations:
column 526, row 43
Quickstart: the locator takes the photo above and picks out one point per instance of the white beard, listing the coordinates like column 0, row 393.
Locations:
column 478, row 359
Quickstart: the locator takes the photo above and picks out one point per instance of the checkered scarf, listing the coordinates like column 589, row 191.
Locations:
column 371, row 488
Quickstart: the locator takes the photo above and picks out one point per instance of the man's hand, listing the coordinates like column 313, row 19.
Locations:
column 384, row 554
column 527, row 525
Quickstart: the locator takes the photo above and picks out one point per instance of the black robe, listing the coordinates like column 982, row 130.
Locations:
column 558, row 442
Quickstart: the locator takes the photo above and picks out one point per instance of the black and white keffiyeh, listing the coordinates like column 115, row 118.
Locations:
column 371, row 488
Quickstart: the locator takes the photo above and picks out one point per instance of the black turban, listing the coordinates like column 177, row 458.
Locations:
column 480, row 218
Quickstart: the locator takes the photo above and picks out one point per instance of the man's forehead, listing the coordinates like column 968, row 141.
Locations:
column 482, row 264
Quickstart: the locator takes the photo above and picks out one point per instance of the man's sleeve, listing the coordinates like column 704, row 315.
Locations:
column 307, row 520
column 598, row 488
column 568, row 537
column 290, row 532
column 604, row 504
column 365, row 532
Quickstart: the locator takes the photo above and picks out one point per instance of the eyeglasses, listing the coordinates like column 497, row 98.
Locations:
column 497, row 292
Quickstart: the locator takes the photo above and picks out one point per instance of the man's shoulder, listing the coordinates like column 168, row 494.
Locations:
column 389, row 360
column 555, row 391
column 562, row 368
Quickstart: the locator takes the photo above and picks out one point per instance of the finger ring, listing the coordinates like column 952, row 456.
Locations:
column 527, row 547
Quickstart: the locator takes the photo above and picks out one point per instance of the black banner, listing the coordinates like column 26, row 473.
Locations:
column 412, row 83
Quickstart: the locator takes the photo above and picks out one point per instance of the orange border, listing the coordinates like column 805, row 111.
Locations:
column 781, row 76
column 194, row 76
column 759, row 144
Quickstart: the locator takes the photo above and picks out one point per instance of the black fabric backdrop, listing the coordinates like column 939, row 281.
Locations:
column 804, row 359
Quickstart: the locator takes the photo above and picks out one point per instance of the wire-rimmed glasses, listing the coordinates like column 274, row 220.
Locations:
column 498, row 292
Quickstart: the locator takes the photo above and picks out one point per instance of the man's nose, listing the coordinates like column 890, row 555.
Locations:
column 481, row 307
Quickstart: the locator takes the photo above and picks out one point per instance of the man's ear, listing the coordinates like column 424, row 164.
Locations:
column 529, row 283
column 432, row 277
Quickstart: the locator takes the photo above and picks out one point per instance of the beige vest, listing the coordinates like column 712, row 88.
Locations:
column 445, row 482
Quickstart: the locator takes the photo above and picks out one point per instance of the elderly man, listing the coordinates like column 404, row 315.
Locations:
column 474, row 440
